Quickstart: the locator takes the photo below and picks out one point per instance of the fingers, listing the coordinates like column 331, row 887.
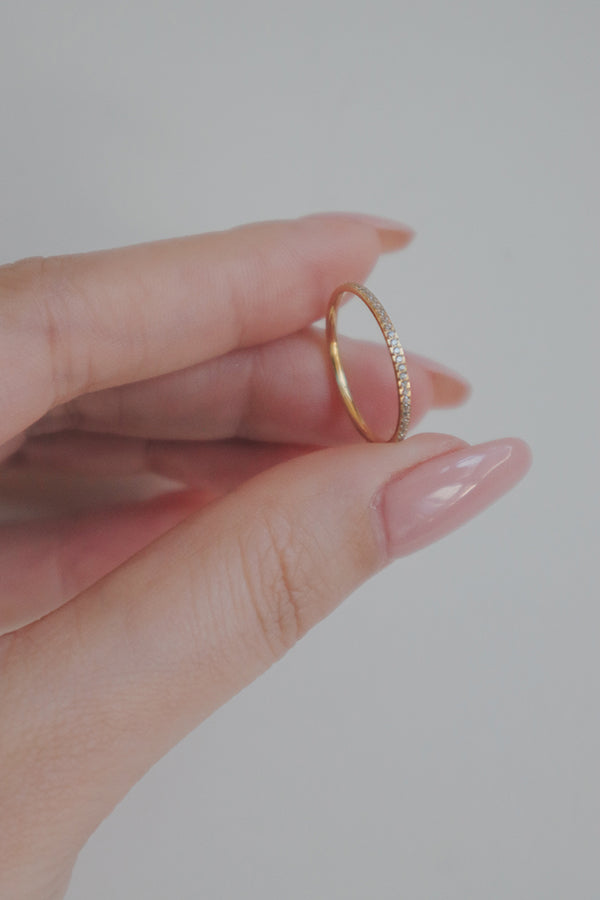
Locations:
column 281, row 391
column 122, row 672
column 216, row 467
column 448, row 387
column 46, row 562
column 200, row 403
column 10, row 447
column 87, row 321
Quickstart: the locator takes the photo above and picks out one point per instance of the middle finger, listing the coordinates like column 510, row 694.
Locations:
column 282, row 391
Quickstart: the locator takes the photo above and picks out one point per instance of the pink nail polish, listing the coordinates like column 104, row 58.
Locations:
column 437, row 496
column 377, row 221
column 393, row 234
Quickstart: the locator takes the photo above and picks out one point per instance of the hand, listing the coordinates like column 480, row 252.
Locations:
column 196, row 358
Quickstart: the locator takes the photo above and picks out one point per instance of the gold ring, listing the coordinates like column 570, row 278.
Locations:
column 394, row 346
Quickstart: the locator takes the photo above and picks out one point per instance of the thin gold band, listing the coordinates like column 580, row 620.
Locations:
column 394, row 346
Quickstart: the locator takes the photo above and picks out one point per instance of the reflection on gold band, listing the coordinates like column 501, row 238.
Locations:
column 397, row 353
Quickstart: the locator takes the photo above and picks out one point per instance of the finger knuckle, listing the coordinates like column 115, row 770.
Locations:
column 16, row 277
column 276, row 559
column 54, row 290
column 40, row 289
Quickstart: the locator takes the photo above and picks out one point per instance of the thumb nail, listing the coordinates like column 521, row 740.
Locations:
column 442, row 493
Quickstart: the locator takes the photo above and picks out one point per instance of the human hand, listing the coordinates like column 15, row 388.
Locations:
column 195, row 358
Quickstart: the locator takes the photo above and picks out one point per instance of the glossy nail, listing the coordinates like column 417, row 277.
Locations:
column 393, row 235
column 437, row 496
column 450, row 388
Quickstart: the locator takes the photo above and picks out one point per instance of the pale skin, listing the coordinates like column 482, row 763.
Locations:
column 121, row 629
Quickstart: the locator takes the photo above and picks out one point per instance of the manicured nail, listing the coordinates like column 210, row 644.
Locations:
column 450, row 388
column 393, row 234
column 437, row 496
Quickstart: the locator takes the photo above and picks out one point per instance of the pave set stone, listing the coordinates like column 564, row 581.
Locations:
column 397, row 354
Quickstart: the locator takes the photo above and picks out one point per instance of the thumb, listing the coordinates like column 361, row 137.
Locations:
column 101, row 688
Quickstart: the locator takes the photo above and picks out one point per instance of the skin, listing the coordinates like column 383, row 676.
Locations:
column 123, row 627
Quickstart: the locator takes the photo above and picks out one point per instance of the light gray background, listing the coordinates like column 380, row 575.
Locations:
column 438, row 735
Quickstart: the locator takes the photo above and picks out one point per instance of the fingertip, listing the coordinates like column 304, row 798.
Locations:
column 393, row 239
column 441, row 439
column 391, row 234
column 449, row 390
column 444, row 492
column 449, row 387
column 513, row 453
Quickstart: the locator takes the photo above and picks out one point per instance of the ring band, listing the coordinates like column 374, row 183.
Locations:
column 394, row 346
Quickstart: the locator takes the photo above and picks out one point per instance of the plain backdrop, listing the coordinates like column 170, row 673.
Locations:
column 438, row 736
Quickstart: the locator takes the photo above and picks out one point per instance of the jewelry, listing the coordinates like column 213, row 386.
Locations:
column 397, row 353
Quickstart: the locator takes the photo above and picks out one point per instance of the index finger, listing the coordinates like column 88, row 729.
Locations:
column 78, row 323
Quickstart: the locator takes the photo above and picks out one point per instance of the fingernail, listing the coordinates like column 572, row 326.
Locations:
column 451, row 388
column 437, row 496
column 393, row 234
